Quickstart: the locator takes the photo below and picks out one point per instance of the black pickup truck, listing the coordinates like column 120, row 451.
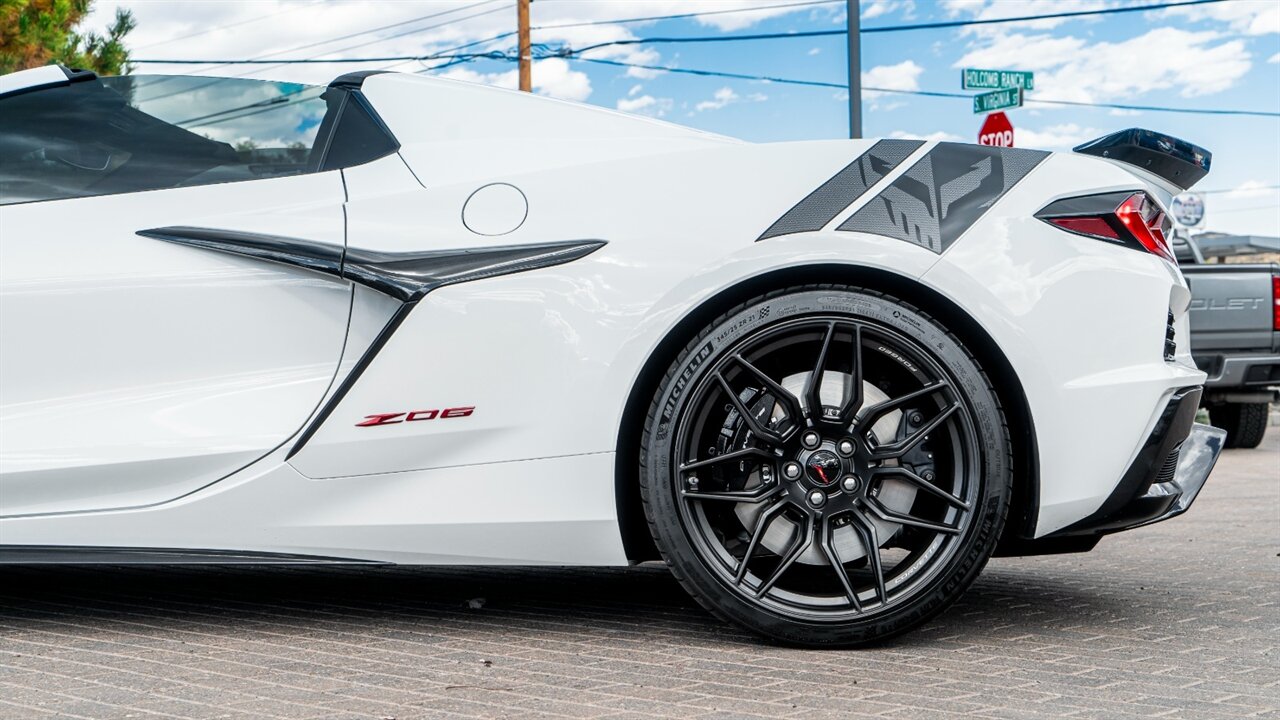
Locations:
column 1235, row 338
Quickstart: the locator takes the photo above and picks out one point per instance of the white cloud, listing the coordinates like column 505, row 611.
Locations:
column 903, row 76
column 721, row 98
column 939, row 136
column 876, row 8
column 997, row 9
column 815, row 51
column 1054, row 137
column 1069, row 68
column 552, row 77
column 1274, row 58
column 307, row 28
column 646, row 105
column 1249, row 17
column 726, row 96
column 1253, row 189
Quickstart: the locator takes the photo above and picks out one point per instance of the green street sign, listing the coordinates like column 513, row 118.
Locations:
column 974, row 79
column 998, row 100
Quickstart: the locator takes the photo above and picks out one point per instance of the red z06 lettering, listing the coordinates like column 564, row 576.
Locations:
column 414, row 416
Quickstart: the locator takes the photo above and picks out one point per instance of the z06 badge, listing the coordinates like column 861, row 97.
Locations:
column 414, row 416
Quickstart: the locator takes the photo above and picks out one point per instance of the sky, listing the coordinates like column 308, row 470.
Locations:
column 1224, row 55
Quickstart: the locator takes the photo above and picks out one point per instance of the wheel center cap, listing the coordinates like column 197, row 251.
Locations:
column 823, row 468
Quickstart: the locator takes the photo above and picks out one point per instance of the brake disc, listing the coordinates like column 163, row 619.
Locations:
column 896, row 495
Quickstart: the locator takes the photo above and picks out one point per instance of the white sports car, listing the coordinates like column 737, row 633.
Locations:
column 407, row 320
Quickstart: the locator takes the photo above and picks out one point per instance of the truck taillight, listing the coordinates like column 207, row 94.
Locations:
column 1131, row 219
column 1275, row 302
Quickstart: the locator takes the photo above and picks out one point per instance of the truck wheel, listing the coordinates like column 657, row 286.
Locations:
column 1245, row 423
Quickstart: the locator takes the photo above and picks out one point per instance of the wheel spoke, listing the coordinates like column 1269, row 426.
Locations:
column 871, row 543
column 854, row 404
column 804, row 537
column 784, row 396
column 813, row 386
column 833, row 556
column 874, row 412
column 762, row 524
column 901, row 447
column 921, row 483
column 727, row 457
column 888, row 515
column 752, row 422
column 759, row 494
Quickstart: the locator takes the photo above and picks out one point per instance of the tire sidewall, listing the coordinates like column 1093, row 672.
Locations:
column 709, row 348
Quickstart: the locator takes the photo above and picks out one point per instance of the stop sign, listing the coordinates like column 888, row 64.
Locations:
column 996, row 130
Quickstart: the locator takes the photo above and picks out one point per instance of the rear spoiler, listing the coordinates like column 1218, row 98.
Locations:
column 1177, row 161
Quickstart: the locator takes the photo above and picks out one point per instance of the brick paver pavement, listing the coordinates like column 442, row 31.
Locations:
column 1178, row 620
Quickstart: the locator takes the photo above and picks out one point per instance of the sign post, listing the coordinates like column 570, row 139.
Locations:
column 996, row 131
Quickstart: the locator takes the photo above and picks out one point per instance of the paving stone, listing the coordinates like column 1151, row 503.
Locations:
column 1176, row 620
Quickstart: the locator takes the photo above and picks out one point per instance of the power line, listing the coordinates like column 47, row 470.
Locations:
column 1217, row 191
column 681, row 16
column 249, row 21
column 282, row 63
column 924, row 93
column 1248, row 209
column 1049, row 16
column 257, row 59
column 692, row 39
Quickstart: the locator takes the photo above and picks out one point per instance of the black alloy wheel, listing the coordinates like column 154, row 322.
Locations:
column 826, row 466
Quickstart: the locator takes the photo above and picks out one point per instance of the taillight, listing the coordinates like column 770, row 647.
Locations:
column 1275, row 302
column 1132, row 219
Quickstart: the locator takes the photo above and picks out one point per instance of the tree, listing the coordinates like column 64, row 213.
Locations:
column 34, row 33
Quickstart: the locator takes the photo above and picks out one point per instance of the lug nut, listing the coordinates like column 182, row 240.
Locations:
column 791, row 471
column 849, row 483
column 928, row 475
column 916, row 418
column 845, row 447
column 810, row 439
column 817, row 499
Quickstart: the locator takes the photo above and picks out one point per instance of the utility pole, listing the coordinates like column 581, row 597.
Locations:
column 855, row 70
column 526, row 51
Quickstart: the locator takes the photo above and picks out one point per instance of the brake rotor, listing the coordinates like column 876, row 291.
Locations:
column 896, row 495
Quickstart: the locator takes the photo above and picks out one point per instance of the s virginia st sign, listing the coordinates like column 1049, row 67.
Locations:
column 996, row 131
column 997, row 100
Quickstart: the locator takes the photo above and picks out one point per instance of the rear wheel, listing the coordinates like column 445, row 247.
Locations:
column 826, row 466
column 1245, row 423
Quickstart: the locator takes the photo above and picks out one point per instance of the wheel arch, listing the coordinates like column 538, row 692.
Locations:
column 637, row 542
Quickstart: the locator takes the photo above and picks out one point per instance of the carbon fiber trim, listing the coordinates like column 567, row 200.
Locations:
column 944, row 194
column 822, row 205
column 403, row 276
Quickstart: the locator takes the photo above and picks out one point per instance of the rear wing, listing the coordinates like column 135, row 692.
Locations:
column 1176, row 161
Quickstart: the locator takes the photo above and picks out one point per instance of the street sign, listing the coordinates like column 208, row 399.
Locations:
column 974, row 79
column 1188, row 209
column 997, row 100
column 996, row 130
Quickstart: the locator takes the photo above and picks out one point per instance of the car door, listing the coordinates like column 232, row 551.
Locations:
column 135, row 369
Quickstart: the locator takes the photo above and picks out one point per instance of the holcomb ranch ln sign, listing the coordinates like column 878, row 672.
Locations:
column 975, row 79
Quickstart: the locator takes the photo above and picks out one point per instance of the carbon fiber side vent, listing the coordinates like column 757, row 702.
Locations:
column 822, row 205
column 944, row 194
